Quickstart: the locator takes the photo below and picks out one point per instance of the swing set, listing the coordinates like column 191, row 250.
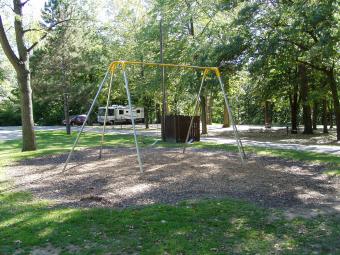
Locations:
column 122, row 65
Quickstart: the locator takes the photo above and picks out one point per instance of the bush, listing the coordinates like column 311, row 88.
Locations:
column 9, row 113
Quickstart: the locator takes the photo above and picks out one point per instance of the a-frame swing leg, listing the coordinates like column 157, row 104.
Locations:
column 195, row 109
column 87, row 116
column 238, row 140
column 132, row 119
column 105, row 117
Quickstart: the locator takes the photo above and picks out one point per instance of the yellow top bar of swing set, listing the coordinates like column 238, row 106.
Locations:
column 123, row 63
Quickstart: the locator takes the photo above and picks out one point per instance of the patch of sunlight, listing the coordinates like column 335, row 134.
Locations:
column 180, row 232
column 18, row 218
column 139, row 188
column 238, row 223
column 29, row 217
column 45, row 232
column 281, row 245
column 58, row 215
column 309, row 194
column 268, row 237
column 156, row 168
column 332, row 172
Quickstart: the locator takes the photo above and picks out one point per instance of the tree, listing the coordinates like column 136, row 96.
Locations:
column 70, row 63
column 263, row 31
column 21, row 65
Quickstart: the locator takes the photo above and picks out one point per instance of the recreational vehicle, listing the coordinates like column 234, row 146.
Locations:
column 120, row 114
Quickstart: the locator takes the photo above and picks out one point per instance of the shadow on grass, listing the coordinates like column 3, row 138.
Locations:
column 207, row 227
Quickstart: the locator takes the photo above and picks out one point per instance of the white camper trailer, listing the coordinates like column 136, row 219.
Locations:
column 120, row 114
column 110, row 115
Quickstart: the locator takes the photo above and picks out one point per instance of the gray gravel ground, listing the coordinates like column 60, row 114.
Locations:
column 170, row 177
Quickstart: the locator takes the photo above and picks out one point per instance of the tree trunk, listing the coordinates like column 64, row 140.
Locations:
column 67, row 113
column 203, row 114
column 324, row 116
column 315, row 115
column 267, row 114
column 28, row 136
column 146, row 117
column 336, row 103
column 330, row 114
column 226, row 121
column 21, row 66
column 158, row 113
column 294, row 107
column 307, row 118
column 209, row 110
column 66, row 104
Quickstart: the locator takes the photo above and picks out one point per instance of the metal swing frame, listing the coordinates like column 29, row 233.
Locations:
column 122, row 64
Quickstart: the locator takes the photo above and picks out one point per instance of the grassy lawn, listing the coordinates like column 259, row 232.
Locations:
column 206, row 227
column 332, row 161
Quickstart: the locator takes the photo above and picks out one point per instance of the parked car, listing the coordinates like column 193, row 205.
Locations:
column 76, row 120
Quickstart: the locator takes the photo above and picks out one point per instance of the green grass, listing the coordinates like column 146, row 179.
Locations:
column 331, row 161
column 206, row 227
column 333, row 172
column 52, row 142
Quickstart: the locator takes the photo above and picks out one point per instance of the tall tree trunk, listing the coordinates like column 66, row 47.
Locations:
column 226, row 120
column 21, row 66
column 67, row 113
column 28, row 136
column 209, row 109
column 315, row 115
column 158, row 113
column 267, row 114
column 146, row 117
column 324, row 116
column 304, row 89
column 294, row 107
column 66, row 104
column 330, row 114
column 336, row 103
column 211, row 104
column 203, row 114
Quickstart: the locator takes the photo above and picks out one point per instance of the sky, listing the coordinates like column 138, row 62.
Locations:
column 33, row 9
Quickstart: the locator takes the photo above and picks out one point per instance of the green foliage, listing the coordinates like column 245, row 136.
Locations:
column 257, row 45
column 9, row 113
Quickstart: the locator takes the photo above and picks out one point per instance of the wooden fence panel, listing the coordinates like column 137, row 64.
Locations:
column 176, row 128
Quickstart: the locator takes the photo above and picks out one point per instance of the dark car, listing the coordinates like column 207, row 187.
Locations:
column 76, row 120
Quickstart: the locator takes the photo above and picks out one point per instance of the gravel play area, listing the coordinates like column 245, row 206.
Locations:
column 170, row 177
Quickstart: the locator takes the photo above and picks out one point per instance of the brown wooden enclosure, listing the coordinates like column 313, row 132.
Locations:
column 177, row 126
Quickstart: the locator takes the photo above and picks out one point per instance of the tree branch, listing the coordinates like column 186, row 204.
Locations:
column 7, row 47
column 299, row 45
column 37, row 42
column 323, row 69
column 314, row 37
column 46, row 33
column 32, row 30
column 22, row 4
column 18, row 27
column 6, row 5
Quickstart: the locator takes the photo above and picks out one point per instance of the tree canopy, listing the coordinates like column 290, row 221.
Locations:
column 282, row 52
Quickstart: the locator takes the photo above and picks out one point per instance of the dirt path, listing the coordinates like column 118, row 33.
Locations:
column 170, row 177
